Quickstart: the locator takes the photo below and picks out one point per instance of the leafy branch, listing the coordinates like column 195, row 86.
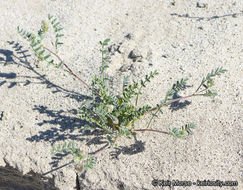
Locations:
column 36, row 43
column 208, row 82
column 56, row 26
column 143, row 83
column 183, row 132
column 80, row 157
column 104, row 59
column 178, row 86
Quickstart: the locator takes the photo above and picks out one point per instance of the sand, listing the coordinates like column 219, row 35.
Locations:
column 39, row 104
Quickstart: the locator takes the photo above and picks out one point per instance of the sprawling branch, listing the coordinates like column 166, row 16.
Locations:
column 69, row 70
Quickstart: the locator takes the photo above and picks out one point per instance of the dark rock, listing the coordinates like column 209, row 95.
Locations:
column 129, row 36
column 202, row 5
column 135, row 55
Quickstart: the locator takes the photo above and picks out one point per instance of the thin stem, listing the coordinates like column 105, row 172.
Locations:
column 175, row 100
column 138, row 95
column 102, row 71
column 154, row 115
column 203, row 81
column 203, row 90
column 151, row 130
column 136, row 130
column 52, row 170
column 100, row 151
column 105, row 149
column 169, row 102
column 69, row 70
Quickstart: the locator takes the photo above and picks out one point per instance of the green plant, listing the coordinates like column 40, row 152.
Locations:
column 114, row 114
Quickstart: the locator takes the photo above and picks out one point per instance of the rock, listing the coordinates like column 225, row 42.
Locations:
column 135, row 55
column 202, row 5
column 129, row 36
column 115, row 48
column 125, row 67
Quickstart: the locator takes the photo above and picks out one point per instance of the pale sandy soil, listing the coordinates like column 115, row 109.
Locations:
column 178, row 38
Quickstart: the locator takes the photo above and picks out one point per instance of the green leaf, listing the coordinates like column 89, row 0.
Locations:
column 50, row 16
column 106, row 40
column 210, row 93
column 50, row 62
column 205, row 86
column 33, row 44
column 53, row 150
column 105, row 51
column 37, row 49
column 59, row 43
column 44, row 26
column 59, row 64
column 54, row 20
column 159, row 109
column 64, row 145
column 86, row 127
column 55, row 25
column 105, row 43
column 41, row 52
column 105, row 66
column 142, row 83
column 155, row 115
column 89, row 163
column 147, row 78
column 183, row 132
column 59, row 149
column 46, row 57
column 126, row 82
column 106, row 58
column 58, row 29
column 59, row 35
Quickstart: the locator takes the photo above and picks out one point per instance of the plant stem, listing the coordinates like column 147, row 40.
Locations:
column 175, row 100
column 55, row 169
column 69, row 70
column 105, row 149
column 102, row 68
column 100, row 151
column 169, row 102
column 154, row 115
column 138, row 95
column 200, row 85
column 152, row 130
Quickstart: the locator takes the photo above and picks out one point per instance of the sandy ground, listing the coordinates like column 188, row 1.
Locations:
column 183, row 38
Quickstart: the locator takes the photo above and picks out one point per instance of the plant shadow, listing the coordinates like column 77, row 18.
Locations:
column 178, row 105
column 19, row 56
column 65, row 128
column 132, row 149
column 62, row 124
